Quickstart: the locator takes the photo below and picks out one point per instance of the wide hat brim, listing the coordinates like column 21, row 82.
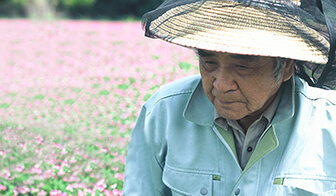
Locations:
column 227, row 26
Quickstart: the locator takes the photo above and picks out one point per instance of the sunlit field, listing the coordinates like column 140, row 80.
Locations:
column 70, row 93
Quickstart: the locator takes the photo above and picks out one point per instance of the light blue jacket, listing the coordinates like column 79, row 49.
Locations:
column 176, row 149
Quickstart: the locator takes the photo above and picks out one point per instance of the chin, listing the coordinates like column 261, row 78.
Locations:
column 231, row 116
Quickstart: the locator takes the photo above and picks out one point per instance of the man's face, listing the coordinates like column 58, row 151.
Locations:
column 240, row 86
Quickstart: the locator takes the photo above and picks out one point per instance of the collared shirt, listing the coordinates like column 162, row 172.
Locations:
column 176, row 149
column 245, row 142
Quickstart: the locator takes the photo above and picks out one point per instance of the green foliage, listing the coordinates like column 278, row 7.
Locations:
column 70, row 130
column 156, row 57
column 185, row 66
column 22, row 178
column 69, row 101
column 118, row 43
column 97, row 85
column 131, row 80
column 71, row 3
column 123, row 86
column 127, row 10
column 107, row 79
column 39, row 96
column 147, row 96
column 19, row 2
column 104, row 92
column 54, row 137
column 54, row 184
column 4, row 105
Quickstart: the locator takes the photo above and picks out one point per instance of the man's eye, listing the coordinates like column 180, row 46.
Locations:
column 209, row 65
column 242, row 67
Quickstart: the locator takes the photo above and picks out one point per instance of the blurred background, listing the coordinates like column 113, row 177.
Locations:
column 73, row 77
column 77, row 9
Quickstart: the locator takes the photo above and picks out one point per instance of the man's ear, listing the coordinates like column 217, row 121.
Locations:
column 288, row 69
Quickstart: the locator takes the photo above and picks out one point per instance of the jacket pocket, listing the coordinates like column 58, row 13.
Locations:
column 309, row 186
column 187, row 182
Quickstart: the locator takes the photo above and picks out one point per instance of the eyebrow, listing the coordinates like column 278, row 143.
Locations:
column 244, row 57
column 205, row 53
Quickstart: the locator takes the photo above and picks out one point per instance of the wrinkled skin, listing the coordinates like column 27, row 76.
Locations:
column 241, row 87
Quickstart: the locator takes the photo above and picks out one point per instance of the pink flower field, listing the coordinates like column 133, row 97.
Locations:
column 70, row 93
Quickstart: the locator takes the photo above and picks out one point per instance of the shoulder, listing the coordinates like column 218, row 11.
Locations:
column 177, row 91
column 184, row 85
column 315, row 95
column 317, row 103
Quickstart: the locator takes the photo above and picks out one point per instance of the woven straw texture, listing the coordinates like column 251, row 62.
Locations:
column 303, row 30
column 227, row 26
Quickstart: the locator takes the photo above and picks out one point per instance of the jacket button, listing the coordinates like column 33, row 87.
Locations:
column 204, row 191
column 237, row 191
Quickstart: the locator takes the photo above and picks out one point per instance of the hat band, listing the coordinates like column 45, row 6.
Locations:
column 331, row 56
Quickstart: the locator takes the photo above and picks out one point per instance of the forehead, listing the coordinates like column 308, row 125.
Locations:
column 207, row 53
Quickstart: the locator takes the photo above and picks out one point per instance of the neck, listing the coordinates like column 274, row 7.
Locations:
column 248, row 120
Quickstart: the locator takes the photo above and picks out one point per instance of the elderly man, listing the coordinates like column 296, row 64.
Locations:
column 251, row 123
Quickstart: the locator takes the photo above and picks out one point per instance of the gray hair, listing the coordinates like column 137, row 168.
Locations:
column 278, row 67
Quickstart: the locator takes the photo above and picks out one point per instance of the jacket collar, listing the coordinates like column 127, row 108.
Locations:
column 201, row 111
column 286, row 107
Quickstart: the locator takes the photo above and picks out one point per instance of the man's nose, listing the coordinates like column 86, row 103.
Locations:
column 224, row 81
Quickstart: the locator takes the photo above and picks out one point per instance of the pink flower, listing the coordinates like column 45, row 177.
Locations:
column 2, row 153
column 58, row 167
column 58, row 109
column 23, row 146
column 105, row 149
column 39, row 139
column 7, row 174
column 2, row 187
column 100, row 185
column 20, row 128
column 102, row 99
column 114, row 168
column 64, row 151
column 29, row 105
column 38, row 151
column 55, row 193
column 81, row 193
column 34, row 190
column 72, row 160
column 108, row 193
column 88, row 169
column 42, row 193
column 113, row 186
column 19, row 168
column 90, row 191
column 112, row 123
column 23, row 190
column 2, row 111
column 67, row 108
column 116, row 192
column 61, row 173
column 37, row 103
column 119, row 176
column 36, row 169
column 69, row 188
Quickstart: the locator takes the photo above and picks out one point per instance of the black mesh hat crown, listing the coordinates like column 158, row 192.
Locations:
column 303, row 30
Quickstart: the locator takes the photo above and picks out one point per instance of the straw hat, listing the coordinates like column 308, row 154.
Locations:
column 251, row 27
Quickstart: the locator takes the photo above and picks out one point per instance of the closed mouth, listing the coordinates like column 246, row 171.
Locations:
column 228, row 102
